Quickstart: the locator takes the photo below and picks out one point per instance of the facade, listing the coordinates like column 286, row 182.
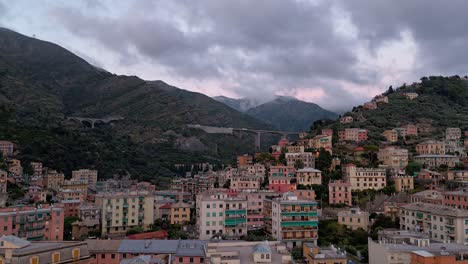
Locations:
column 244, row 160
column 393, row 157
column 327, row 131
column 411, row 96
column 403, row 183
column 291, row 220
column 6, row 147
column 370, row 105
column 220, row 215
column 428, row 196
column 281, row 184
column 354, row 219
column 381, row 99
column 88, row 176
column 248, row 182
column 353, row 134
column 365, row 178
column 253, row 169
column 255, row 206
column 180, row 213
column 339, row 192
column 122, row 211
column 437, row 257
column 70, row 207
column 409, row 130
column 14, row 250
column 89, row 211
column 431, row 147
column 32, row 223
column 441, row 223
column 282, row 171
column 346, row 120
column 434, row 161
column 3, row 188
column 53, row 179
column 307, row 158
column 37, row 167
column 456, row 175
column 321, row 255
column 14, row 166
column 452, row 133
column 456, row 199
column 391, row 135
column 308, row 176
column 295, row 149
column 322, row 141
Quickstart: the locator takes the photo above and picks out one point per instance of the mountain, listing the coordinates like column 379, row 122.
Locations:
column 41, row 84
column 442, row 102
column 290, row 114
column 241, row 105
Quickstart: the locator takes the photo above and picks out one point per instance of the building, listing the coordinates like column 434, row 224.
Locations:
column 428, row 196
column 365, row 178
column 255, row 206
column 346, row 120
column 6, row 147
column 89, row 176
column 180, row 213
column 437, row 257
column 291, row 220
column 295, row 149
column 253, row 169
column 411, row 96
column 391, row 135
column 322, row 141
column 53, row 179
column 370, row 105
column 122, row 211
column 69, row 194
column 14, row 166
column 308, row 176
column 3, row 188
column 441, row 223
column 307, row 159
column 37, row 168
column 14, row 250
column 428, row 178
column 70, row 207
column 403, row 183
column 434, row 160
column 456, row 175
column 452, row 133
column 322, row 255
column 381, row 99
column 431, row 147
column 165, row 251
column 396, row 247
column 85, row 228
column 339, row 192
column 327, row 131
column 393, row 157
column 456, row 199
column 32, row 223
column 282, row 171
column 244, row 183
column 281, row 184
column 353, row 134
column 409, row 130
column 354, row 219
column 220, row 215
column 245, row 159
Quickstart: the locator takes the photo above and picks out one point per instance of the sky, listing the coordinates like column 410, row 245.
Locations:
column 336, row 53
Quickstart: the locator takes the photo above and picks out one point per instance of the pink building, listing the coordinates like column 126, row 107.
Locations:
column 283, row 143
column 255, row 206
column 70, row 207
column 429, row 179
column 6, row 147
column 281, row 184
column 327, row 131
column 339, row 192
column 409, row 130
column 456, row 199
column 32, row 223
column 282, row 171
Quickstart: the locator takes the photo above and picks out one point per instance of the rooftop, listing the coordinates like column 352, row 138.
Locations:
column 436, row 209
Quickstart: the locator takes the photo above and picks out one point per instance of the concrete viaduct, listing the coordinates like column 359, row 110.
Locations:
column 230, row 130
column 93, row 121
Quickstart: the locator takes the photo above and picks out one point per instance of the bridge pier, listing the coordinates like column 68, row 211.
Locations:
column 258, row 141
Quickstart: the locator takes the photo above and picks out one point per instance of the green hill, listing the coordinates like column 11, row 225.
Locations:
column 41, row 84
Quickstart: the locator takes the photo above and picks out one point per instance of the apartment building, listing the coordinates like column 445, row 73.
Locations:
column 14, row 250
column 393, row 157
column 32, row 223
column 456, row 199
column 308, row 176
column 307, row 158
column 37, row 168
column 365, row 178
column 14, row 166
column 6, row 147
column 456, row 175
column 220, row 215
column 295, row 149
column 323, row 255
column 403, row 183
column 53, row 179
column 291, row 220
column 411, row 96
column 339, row 192
column 89, row 176
column 346, row 120
column 381, row 99
column 322, row 141
column 353, row 134
column 122, row 211
column 431, row 147
column 246, row 183
column 245, row 159
column 391, row 135
column 89, row 211
column 255, row 206
column 354, row 219
column 452, row 133
column 408, row 130
column 434, row 160
column 441, row 223
column 370, row 105
column 436, row 257
column 428, row 196
column 282, row 171
column 327, row 132
column 281, row 184
column 180, row 213
column 252, row 169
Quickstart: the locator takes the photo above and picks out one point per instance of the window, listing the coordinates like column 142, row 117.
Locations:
column 103, row 256
column 56, row 257
column 76, row 254
column 181, row 260
column 221, row 214
column 112, row 256
column 191, row 260
column 267, row 256
column 34, row 260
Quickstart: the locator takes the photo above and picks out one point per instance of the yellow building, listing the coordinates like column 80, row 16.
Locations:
column 404, row 183
column 180, row 213
column 391, row 135
column 321, row 255
column 354, row 219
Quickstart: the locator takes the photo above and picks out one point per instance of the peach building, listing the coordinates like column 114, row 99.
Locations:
column 428, row 197
column 346, row 119
column 244, row 160
column 411, row 96
column 322, row 141
column 88, row 176
column 391, row 135
column 404, row 183
column 53, row 179
column 365, row 178
column 304, row 194
column 431, row 147
column 255, row 206
column 14, row 166
column 393, row 157
column 409, row 130
column 251, row 182
column 308, row 176
column 354, row 219
column 6, row 147
column 353, row 134
column 281, row 184
column 307, row 158
column 370, row 105
column 339, row 192
column 41, row 223
column 437, row 257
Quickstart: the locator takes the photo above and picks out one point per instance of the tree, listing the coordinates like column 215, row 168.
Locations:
column 135, row 230
column 298, row 164
column 227, row 184
column 28, row 169
column 67, row 227
column 412, row 168
column 324, row 160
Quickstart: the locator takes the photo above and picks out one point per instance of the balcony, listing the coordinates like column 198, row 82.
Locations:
column 311, row 213
column 299, row 224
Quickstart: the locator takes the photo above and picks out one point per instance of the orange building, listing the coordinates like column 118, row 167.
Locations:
column 442, row 257
column 244, row 160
